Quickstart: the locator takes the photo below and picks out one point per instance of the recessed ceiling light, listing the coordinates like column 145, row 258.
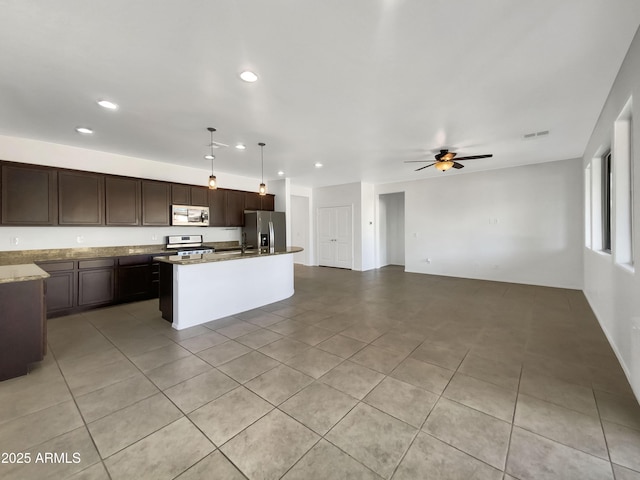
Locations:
column 84, row 130
column 107, row 104
column 248, row 76
column 280, row 173
column 240, row 146
column 318, row 165
column 209, row 157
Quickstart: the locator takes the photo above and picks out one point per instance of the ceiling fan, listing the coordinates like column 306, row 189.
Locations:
column 444, row 160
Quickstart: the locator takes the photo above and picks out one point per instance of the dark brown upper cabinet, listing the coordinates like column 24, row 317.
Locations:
column 122, row 200
column 199, row 196
column 235, row 208
column 156, row 201
column 80, row 198
column 180, row 194
column 252, row 201
column 218, row 208
column 29, row 195
column 268, row 202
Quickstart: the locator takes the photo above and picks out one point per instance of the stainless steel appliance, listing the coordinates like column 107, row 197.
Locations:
column 266, row 230
column 187, row 245
column 190, row 215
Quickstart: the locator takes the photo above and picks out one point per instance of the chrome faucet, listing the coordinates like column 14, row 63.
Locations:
column 243, row 246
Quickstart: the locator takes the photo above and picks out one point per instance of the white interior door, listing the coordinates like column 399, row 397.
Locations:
column 343, row 241
column 335, row 243
column 326, row 228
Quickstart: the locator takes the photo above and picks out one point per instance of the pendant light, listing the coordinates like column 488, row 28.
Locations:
column 213, row 183
column 263, row 188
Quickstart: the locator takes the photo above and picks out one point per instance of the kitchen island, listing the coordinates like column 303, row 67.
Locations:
column 196, row 289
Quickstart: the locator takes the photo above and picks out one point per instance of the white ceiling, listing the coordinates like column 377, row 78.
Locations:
column 359, row 85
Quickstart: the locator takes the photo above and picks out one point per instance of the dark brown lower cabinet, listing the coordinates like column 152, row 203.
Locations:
column 78, row 285
column 61, row 287
column 96, row 282
column 133, row 278
column 22, row 327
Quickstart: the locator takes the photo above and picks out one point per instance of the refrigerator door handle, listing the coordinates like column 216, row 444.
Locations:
column 272, row 238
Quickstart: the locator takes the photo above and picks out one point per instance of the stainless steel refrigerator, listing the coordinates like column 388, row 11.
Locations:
column 266, row 230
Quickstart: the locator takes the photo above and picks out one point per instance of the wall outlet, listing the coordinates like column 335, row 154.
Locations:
column 154, row 237
column 428, row 260
column 80, row 239
column 15, row 240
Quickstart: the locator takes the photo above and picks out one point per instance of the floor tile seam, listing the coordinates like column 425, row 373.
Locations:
column 181, row 416
column 302, row 456
column 503, row 470
column 604, row 435
column 120, row 409
column 458, row 402
column 314, row 379
column 131, row 405
column 608, row 460
column 38, row 410
column 347, row 453
column 389, row 414
column 147, row 436
column 86, row 428
column 513, row 418
column 533, row 395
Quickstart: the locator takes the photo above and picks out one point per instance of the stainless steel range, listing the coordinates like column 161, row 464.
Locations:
column 187, row 245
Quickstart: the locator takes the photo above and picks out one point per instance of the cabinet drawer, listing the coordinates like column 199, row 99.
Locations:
column 57, row 267
column 103, row 262
column 134, row 260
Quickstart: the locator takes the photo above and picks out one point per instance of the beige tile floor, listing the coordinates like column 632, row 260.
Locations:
column 368, row 375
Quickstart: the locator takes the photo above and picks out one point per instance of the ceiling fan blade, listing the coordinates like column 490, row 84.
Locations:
column 457, row 165
column 422, row 168
column 472, row 157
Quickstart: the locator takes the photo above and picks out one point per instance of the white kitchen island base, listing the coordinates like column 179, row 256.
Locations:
column 202, row 292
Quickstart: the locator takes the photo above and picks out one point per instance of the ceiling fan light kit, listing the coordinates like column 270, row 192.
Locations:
column 444, row 161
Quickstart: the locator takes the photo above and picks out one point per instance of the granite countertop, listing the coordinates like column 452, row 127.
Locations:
column 222, row 256
column 21, row 257
column 21, row 273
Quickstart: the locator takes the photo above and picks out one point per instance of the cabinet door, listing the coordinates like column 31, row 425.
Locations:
column 60, row 291
column 29, row 196
column 133, row 282
column 218, row 208
column 80, row 198
column 235, row 208
column 122, row 199
column 156, row 197
column 268, row 203
column 180, row 194
column 199, row 196
column 95, row 286
column 252, row 201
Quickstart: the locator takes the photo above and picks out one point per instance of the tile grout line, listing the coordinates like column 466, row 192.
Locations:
column 86, row 426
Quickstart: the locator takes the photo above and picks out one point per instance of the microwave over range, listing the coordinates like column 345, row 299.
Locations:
column 190, row 215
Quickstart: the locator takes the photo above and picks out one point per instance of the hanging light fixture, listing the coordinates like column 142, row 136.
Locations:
column 445, row 165
column 213, row 183
column 263, row 188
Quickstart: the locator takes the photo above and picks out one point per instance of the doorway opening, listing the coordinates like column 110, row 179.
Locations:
column 391, row 229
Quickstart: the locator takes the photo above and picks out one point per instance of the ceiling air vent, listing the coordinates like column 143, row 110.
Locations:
column 528, row 136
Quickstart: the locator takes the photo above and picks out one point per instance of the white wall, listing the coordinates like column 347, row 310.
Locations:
column 520, row 224
column 300, row 231
column 613, row 290
column 50, row 154
column 367, row 202
column 391, row 229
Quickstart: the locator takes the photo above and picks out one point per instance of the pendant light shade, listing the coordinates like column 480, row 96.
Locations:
column 263, row 188
column 213, row 183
